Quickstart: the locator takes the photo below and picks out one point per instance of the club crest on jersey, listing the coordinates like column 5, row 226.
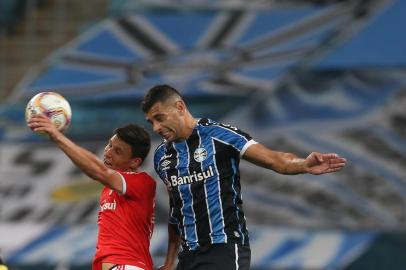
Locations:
column 200, row 154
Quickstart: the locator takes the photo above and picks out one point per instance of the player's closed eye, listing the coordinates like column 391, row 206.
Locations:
column 159, row 118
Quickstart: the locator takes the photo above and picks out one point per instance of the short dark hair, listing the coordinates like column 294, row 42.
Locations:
column 137, row 137
column 158, row 93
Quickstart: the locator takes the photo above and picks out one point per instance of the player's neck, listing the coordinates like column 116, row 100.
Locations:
column 132, row 170
column 190, row 124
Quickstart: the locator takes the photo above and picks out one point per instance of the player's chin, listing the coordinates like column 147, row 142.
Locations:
column 167, row 136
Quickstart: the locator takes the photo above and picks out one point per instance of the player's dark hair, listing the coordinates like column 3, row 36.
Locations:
column 158, row 93
column 137, row 137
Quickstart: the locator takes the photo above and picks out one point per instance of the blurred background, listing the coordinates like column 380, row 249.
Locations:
column 298, row 75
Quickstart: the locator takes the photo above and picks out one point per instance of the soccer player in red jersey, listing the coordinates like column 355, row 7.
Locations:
column 127, row 201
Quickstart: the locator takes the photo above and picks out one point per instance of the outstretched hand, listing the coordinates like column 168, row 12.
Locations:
column 42, row 124
column 318, row 163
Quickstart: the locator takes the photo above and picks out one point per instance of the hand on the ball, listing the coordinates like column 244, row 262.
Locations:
column 318, row 163
column 42, row 124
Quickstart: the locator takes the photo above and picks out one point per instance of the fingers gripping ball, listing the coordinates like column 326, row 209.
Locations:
column 52, row 105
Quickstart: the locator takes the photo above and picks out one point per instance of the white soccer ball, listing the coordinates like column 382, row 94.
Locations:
column 52, row 105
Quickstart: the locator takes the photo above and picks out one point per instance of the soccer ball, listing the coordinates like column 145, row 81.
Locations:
column 52, row 105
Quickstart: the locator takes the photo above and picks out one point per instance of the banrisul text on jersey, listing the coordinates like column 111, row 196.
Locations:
column 189, row 179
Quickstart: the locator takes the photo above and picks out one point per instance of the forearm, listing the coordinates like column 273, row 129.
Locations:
column 288, row 163
column 173, row 247
column 82, row 158
column 280, row 162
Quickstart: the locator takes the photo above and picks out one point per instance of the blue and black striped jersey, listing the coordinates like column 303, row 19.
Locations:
column 202, row 175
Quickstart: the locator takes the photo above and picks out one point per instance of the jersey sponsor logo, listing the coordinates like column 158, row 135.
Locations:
column 165, row 164
column 191, row 178
column 165, row 156
column 108, row 206
column 200, row 154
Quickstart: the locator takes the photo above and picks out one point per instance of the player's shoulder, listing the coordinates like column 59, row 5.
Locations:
column 211, row 124
column 139, row 176
column 148, row 180
column 208, row 124
column 147, row 176
column 221, row 130
column 160, row 150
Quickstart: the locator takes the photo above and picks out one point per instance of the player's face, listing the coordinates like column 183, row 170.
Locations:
column 166, row 120
column 117, row 154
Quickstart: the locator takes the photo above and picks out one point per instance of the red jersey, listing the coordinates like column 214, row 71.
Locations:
column 126, row 222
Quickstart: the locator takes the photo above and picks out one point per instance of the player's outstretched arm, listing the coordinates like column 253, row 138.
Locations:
column 84, row 159
column 287, row 163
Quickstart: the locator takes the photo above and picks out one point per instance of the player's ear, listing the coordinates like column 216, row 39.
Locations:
column 135, row 163
column 180, row 106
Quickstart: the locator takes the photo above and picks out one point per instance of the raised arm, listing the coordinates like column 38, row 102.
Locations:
column 287, row 163
column 82, row 158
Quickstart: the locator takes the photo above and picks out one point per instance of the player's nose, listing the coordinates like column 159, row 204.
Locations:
column 156, row 127
column 107, row 151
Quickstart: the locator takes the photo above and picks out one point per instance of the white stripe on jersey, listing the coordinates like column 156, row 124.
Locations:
column 236, row 257
column 245, row 147
column 219, row 188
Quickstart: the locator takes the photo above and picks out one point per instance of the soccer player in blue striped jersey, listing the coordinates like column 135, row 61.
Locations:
column 199, row 160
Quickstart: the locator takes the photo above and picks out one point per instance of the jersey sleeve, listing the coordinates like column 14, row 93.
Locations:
column 158, row 155
column 233, row 136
